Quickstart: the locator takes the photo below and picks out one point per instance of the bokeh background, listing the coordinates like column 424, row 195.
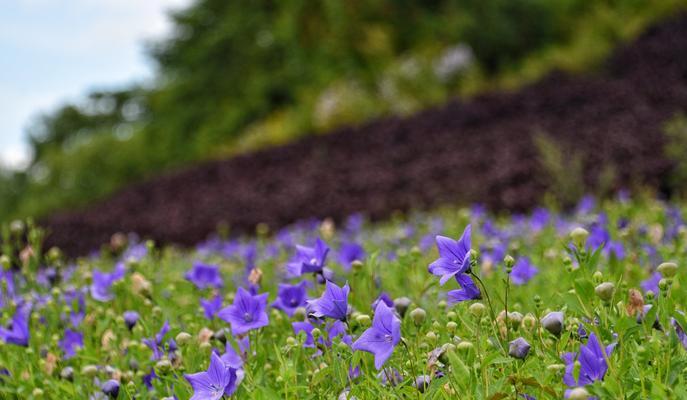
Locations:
column 98, row 95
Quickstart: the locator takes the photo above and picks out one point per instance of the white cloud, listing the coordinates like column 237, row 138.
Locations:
column 56, row 50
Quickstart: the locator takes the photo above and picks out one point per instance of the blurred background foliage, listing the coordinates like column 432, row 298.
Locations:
column 240, row 76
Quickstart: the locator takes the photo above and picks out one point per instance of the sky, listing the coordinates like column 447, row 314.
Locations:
column 53, row 51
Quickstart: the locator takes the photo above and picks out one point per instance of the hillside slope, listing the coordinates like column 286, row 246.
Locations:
column 462, row 152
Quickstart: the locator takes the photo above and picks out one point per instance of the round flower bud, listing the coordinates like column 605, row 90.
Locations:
column 316, row 333
column 553, row 322
column 421, row 383
column 477, row 309
column 111, row 388
column 451, row 327
column 401, row 305
column 442, row 304
column 5, row 262
column 605, row 291
column 579, row 237
column 418, row 316
column 464, row 346
column 598, row 277
column 663, row 284
column 431, row 337
column 509, row 261
column 67, row 374
column 89, row 370
column 519, row 348
column 578, row 393
column 183, row 338
column 291, row 341
column 529, row 321
column 514, row 319
column 37, row 392
column 364, row 320
column 300, row 313
column 556, row 367
column 451, row 315
column 162, row 367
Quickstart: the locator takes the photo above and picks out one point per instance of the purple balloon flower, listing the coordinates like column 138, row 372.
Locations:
column 468, row 291
column 211, row 306
column 247, row 312
column 130, row 319
column 592, row 358
column 308, row 259
column 350, row 252
column 204, row 276
column 290, row 297
column 333, row 303
column 18, row 332
column 523, row 271
column 381, row 338
column 453, row 256
column 651, row 283
column 71, row 341
column 155, row 343
column 219, row 380
column 102, row 282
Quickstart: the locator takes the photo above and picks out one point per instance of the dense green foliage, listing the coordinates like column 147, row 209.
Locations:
column 462, row 348
column 236, row 76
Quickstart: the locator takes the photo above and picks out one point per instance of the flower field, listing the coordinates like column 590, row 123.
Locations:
column 454, row 303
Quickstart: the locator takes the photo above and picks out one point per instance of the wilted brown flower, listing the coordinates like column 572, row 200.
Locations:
column 635, row 302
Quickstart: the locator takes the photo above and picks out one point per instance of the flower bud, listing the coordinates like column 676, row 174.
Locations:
column 89, row 370
column 553, row 322
column 316, row 333
column 37, row 393
column 519, row 348
column 529, row 321
column 477, row 309
column 364, row 320
column 421, row 383
column 300, row 313
column 578, row 393
column 464, row 346
column 162, row 367
column 130, row 319
column 598, row 277
column 183, row 338
column 291, row 341
column 663, row 284
column 431, row 337
column 111, row 388
column 67, row 373
column 579, row 237
column 605, row 291
column 556, row 367
column 418, row 316
column 451, row 327
column 509, row 261
column 514, row 319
